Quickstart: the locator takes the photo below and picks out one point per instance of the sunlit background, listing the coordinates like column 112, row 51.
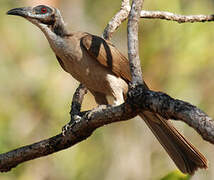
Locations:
column 35, row 93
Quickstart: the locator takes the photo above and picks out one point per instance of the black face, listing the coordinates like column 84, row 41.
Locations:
column 48, row 13
column 41, row 9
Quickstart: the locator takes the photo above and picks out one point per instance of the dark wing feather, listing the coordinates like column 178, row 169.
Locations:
column 107, row 55
column 187, row 158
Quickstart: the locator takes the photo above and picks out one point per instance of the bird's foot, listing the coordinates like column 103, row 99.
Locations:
column 75, row 119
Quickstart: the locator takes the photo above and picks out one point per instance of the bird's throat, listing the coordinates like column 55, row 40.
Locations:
column 59, row 29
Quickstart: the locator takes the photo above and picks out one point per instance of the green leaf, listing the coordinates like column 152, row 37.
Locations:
column 176, row 175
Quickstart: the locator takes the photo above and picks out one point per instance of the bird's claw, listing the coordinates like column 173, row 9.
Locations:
column 69, row 126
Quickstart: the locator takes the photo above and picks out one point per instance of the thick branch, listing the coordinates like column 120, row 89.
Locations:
column 74, row 132
column 138, row 99
column 78, row 132
column 133, row 49
column 176, row 17
column 171, row 108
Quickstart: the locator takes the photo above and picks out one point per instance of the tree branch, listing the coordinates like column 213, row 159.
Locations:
column 170, row 108
column 117, row 20
column 77, row 100
column 140, row 99
column 133, row 49
column 176, row 17
column 79, row 131
column 122, row 15
column 76, row 131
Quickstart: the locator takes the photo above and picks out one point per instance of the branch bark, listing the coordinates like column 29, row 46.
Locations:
column 133, row 49
column 76, row 131
column 122, row 15
column 139, row 99
column 176, row 17
column 116, row 21
column 170, row 108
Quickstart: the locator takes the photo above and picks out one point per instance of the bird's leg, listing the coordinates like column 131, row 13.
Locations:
column 75, row 112
column 74, row 120
column 100, row 98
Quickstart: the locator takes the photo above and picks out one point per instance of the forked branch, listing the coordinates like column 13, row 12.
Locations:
column 123, row 13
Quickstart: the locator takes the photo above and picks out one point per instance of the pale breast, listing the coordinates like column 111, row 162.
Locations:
column 85, row 68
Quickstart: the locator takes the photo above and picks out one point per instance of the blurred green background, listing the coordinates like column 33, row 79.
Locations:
column 35, row 93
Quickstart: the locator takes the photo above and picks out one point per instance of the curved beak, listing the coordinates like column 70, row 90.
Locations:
column 23, row 12
column 30, row 15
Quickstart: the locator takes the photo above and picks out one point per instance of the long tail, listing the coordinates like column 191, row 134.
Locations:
column 186, row 157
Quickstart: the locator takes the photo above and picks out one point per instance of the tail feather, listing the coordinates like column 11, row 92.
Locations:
column 186, row 157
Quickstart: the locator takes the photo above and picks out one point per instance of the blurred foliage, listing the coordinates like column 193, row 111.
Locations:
column 176, row 175
column 35, row 93
column 92, row 11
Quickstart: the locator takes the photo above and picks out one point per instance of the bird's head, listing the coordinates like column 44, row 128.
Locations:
column 42, row 16
column 38, row 15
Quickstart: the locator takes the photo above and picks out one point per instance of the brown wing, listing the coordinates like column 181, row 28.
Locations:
column 107, row 55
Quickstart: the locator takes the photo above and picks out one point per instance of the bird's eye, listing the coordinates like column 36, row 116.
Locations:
column 43, row 10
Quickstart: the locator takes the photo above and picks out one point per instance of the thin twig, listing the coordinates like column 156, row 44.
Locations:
column 117, row 20
column 122, row 15
column 77, row 100
column 176, row 17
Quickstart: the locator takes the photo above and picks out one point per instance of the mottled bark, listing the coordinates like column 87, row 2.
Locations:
column 170, row 108
column 76, row 131
column 176, row 17
column 133, row 49
column 77, row 100
column 116, row 21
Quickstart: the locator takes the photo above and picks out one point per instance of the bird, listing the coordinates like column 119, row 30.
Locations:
column 104, row 70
